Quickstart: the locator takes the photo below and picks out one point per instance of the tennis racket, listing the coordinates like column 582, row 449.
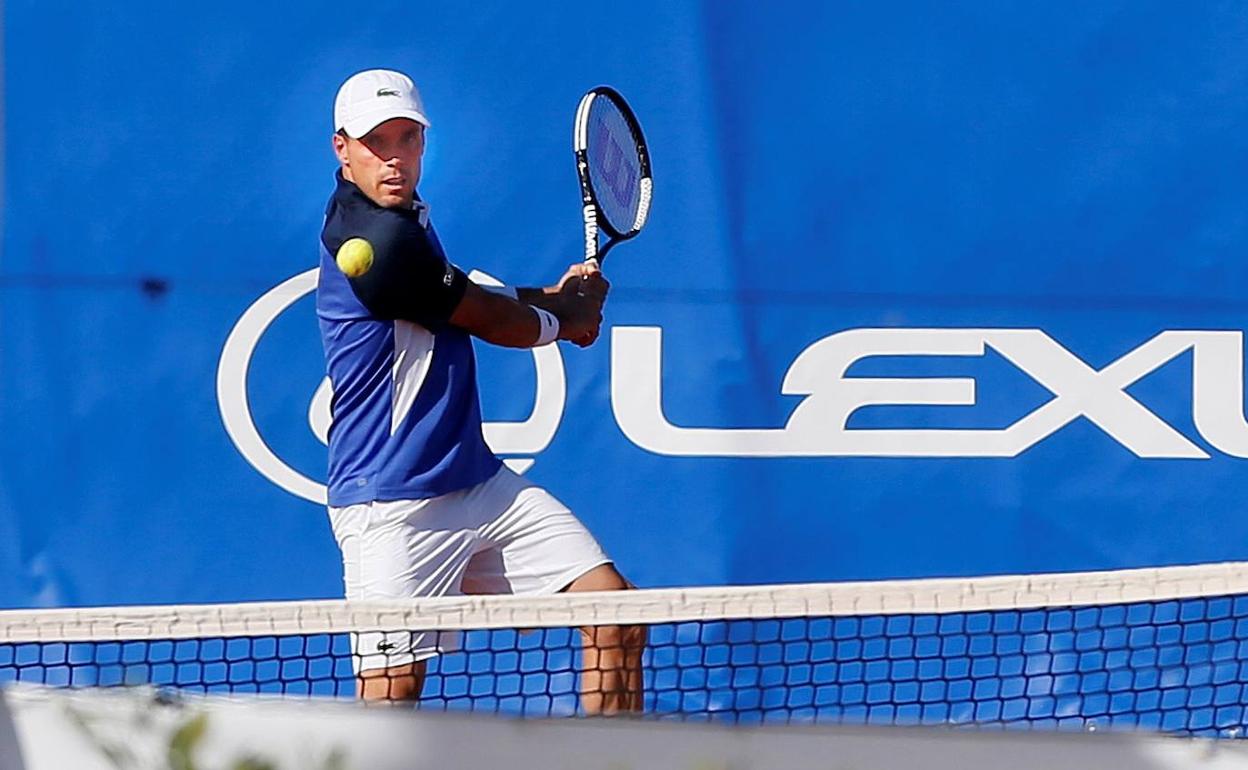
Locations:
column 614, row 169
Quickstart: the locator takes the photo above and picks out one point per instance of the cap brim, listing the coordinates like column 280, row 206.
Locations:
column 358, row 127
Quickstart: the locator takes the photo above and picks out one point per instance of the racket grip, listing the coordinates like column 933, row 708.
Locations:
column 596, row 262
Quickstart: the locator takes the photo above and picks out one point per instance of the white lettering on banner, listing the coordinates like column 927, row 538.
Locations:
column 528, row 437
column 818, row 427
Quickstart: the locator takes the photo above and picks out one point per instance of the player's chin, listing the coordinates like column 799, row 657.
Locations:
column 393, row 197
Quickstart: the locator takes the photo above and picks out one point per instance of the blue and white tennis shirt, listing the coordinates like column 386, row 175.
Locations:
column 406, row 415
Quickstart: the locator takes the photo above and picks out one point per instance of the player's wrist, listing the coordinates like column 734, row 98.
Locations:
column 548, row 327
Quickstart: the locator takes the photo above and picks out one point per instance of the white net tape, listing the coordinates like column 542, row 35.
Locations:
column 673, row 605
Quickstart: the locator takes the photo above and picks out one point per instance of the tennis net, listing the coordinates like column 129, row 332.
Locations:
column 1159, row 649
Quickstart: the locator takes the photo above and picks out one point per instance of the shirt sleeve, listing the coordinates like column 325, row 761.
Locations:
column 410, row 278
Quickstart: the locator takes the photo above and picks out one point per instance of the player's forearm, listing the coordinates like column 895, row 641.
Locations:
column 497, row 319
column 548, row 297
column 545, row 298
column 570, row 310
column 500, row 320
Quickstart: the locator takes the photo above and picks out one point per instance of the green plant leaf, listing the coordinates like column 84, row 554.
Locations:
column 183, row 742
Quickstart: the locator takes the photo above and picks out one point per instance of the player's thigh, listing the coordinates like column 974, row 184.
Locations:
column 402, row 550
column 538, row 546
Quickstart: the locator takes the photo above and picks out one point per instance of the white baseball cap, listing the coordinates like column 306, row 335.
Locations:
column 372, row 97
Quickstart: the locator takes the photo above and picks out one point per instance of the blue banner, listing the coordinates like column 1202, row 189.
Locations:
column 946, row 290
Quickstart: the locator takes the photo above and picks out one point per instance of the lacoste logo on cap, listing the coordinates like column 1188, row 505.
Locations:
column 387, row 92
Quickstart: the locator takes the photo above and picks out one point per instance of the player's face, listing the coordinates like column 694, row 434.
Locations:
column 385, row 162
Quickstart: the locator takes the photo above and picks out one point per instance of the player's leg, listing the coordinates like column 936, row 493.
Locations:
column 391, row 683
column 545, row 549
column 610, row 655
column 400, row 550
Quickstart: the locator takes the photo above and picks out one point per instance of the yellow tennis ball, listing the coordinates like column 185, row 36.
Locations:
column 355, row 257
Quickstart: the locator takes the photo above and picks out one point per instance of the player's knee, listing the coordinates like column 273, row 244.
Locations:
column 616, row 638
column 398, row 683
column 634, row 638
column 623, row 639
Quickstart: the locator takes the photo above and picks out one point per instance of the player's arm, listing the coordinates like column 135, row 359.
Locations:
column 582, row 273
column 565, row 300
column 501, row 320
column 409, row 280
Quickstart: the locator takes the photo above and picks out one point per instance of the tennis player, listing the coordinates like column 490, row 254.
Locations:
column 418, row 503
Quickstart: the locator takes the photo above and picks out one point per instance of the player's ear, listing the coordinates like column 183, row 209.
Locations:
column 340, row 147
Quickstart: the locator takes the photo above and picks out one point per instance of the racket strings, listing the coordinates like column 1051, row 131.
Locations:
column 615, row 167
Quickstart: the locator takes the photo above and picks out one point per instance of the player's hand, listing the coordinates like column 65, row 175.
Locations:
column 586, row 278
column 582, row 292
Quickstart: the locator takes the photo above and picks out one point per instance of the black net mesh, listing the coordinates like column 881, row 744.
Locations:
column 1178, row 666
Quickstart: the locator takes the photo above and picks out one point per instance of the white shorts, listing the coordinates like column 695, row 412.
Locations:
column 503, row 536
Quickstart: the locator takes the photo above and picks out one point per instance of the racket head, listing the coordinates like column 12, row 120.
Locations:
column 613, row 164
